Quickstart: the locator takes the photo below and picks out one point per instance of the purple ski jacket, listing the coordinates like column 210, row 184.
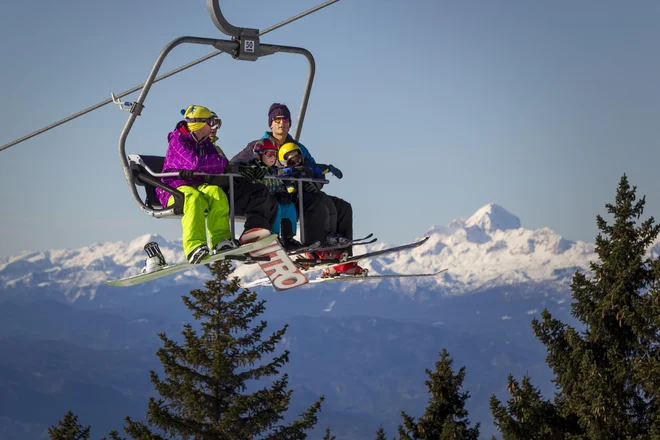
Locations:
column 185, row 153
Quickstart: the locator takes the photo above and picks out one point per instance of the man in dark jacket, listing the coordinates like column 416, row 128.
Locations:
column 328, row 219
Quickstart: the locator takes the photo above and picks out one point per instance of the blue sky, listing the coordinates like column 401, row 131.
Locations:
column 432, row 109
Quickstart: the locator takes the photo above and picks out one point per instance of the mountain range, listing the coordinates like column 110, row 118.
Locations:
column 488, row 249
column 67, row 339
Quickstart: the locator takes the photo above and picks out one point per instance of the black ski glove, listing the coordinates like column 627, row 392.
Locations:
column 246, row 171
column 186, row 174
column 259, row 173
column 251, row 173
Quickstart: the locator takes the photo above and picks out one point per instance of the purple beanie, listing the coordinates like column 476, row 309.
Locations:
column 276, row 110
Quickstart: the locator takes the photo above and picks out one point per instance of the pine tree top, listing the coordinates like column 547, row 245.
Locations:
column 445, row 416
column 204, row 393
column 69, row 429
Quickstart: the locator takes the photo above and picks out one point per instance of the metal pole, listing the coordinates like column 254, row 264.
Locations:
column 232, row 217
column 301, row 215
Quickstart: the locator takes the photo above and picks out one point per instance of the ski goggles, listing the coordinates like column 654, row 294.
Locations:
column 214, row 122
column 282, row 119
column 292, row 155
column 269, row 153
column 293, row 158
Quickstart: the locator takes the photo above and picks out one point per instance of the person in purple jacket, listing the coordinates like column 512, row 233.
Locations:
column 191, row 150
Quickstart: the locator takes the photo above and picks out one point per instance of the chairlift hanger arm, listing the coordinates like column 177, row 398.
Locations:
column 220, row 21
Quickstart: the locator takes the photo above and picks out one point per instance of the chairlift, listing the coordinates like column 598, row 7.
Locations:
column 144, row 170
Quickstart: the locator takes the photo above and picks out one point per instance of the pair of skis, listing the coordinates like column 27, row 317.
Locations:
column 281, row 272
column 317, row 264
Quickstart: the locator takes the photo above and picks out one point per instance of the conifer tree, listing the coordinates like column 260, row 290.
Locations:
column 69, row 429
column 380, row 434
column 328, row 435
column 607, row 373
column 204, row 392
column 445, row 416
column 527, row 416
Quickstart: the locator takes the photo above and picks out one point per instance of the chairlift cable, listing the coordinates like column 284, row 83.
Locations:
column 165, row 75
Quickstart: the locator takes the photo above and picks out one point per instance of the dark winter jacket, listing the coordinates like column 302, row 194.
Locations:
column 247, row 153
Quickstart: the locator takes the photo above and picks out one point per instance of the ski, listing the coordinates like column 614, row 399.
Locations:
column 318, row 264
column 264, row 281
column 315, row 264
column 312, row 247
column 318, row 248
column 240, row 253
column 376, row 277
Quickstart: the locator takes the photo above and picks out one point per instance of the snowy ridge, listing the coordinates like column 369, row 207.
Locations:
column 492, row 218
column 80, row 271
column 488, row 249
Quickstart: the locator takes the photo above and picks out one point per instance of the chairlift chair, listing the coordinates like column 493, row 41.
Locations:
column 145, row 170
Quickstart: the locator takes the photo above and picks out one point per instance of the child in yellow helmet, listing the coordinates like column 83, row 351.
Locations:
column 265, row 156
column 291, row 163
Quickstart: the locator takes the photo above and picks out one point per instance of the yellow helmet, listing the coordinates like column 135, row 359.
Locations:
column 197, row 116
column 286, row 149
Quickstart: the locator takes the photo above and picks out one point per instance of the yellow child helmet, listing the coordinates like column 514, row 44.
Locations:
column 196, row 116
column 286, row 149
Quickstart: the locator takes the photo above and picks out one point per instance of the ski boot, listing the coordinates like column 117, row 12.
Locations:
column 290, row 244
column 226, row 245
column 155, row 260
column 197, row 255
column 345, row 269
column 332, row 239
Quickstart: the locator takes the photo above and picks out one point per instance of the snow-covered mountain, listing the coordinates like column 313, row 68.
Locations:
column 363, row 345
column 488, row 249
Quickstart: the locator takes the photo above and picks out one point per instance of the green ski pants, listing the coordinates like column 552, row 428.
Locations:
column 204, row 198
